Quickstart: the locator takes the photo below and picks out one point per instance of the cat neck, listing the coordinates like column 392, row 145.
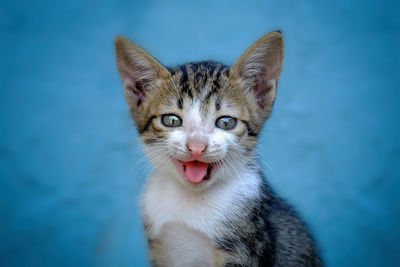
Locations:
column 167, row 199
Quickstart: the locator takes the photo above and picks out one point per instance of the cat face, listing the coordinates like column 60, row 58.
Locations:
column 200, row 121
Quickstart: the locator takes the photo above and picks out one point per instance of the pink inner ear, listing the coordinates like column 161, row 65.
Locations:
column 261, row 89
column 138, row 93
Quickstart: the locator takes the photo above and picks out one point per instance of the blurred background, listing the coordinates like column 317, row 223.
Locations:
column 71, row 166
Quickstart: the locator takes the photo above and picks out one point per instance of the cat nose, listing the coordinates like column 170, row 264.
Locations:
column 196, row 149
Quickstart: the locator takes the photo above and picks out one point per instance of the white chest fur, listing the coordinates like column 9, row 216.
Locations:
column 166, row 200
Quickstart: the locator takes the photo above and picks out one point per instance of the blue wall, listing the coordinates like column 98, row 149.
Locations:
column 71, row 167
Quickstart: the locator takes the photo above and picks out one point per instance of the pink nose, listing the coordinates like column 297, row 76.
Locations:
column 196, row 149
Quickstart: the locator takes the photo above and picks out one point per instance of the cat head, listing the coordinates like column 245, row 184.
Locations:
column 200, row 121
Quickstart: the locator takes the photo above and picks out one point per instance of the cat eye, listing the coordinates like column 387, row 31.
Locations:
column 226, row 123
column 171, row 120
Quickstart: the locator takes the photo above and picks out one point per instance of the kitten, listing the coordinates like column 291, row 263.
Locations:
column 207, row 203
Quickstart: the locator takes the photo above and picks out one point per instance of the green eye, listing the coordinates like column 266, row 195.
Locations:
column 226, row 123
column 171, row 120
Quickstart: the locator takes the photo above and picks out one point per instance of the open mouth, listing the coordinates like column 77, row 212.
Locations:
column 194, row 171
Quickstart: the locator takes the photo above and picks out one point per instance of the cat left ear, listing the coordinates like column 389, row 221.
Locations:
column 260, row 68
column 140, row 72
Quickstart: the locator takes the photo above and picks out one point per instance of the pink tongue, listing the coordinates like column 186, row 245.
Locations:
column 195, row 171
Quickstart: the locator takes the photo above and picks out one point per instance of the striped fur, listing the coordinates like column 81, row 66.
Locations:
column 233, row 218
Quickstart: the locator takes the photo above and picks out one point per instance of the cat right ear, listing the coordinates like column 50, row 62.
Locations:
column 260, row 67
column 140, row 72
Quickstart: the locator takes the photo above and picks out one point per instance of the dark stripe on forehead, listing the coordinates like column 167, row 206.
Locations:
column 194, row 67
column 184, row 74
column 198, row 76
column 249, row 130
column 184, row 81
column 218, row 104
column 215, row 81
column 212, row 92
column 199, row 79
column 147, row 124
column 226, row 71
column 180, row 102
column 211, row 67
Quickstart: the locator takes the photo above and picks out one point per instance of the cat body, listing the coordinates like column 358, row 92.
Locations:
column 207, row 203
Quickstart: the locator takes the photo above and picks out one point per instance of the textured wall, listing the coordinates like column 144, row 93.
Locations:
column 71, row 167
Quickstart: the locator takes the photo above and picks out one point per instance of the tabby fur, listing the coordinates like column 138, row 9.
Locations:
column 234, row 218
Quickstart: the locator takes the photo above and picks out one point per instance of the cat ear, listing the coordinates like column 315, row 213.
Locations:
column 140, row 72
column 260, row 67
